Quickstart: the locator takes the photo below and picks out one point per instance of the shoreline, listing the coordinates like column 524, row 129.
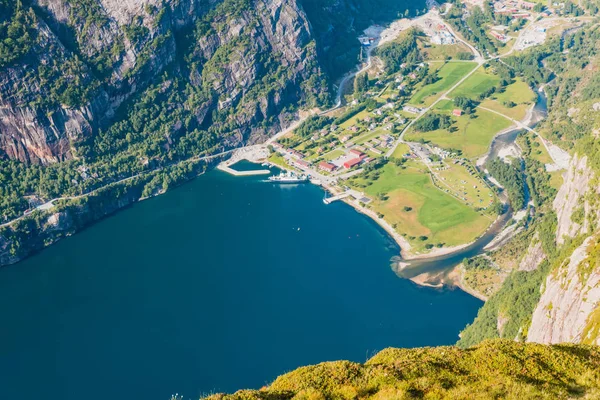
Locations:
column 451, row 279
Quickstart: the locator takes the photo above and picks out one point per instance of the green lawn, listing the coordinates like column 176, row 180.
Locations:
column 401, row 150
column 476, row 84
column 332, row 155
column 435, row 214
column 448, row 75
column 472, row 135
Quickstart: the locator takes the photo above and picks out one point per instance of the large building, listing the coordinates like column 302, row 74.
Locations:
column 325, row 166
column 351, row 163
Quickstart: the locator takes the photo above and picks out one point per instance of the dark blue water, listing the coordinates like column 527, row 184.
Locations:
column 221, row 284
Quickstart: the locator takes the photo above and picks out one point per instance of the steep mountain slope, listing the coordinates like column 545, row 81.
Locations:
column 88, row 57
column 494, row 369
column 552, row 295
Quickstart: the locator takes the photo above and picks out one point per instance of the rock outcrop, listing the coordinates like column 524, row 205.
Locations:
column 534, row 255
column 571, row 200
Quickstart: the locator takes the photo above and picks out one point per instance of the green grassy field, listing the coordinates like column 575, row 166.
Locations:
column 401, row 150
column 476, row 84
column 448, row 75
column 445, row 105
column 435, row 214
column 472, row 135
column 347, row 124
column 457, row 179
column 519, row 93
column 440, row 52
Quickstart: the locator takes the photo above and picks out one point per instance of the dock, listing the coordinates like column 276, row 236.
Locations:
column 330, row 200
column 355, row 194
column 229, row 170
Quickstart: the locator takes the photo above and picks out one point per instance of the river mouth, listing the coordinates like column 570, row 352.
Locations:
column 438, row 267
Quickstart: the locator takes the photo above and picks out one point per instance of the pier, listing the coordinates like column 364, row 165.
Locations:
column 229, row 170
column 347, row 193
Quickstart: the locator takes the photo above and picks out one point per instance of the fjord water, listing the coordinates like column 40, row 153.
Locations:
column 220, row 284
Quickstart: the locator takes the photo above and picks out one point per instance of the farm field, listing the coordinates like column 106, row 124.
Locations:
column 431, row 212
column 448, row 75
column 472, row 136
column 475, row 85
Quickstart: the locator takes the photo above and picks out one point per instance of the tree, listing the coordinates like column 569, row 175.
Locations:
column 361, row 83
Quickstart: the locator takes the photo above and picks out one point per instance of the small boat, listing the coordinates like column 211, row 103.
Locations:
column 288, row 177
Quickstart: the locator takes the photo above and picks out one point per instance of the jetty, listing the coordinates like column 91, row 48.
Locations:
column 357, row 195
column 229, row 170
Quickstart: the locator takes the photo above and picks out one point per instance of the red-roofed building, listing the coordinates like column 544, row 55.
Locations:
column 301, row 163
column 457, row 112
column 356, row 152
column 325, row 166
column 351, row 163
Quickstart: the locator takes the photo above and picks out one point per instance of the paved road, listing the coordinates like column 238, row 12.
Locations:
column 50, row 204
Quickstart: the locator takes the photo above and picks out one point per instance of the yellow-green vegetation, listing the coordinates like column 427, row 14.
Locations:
column 406, row 198
column 368, row 136
column 439, row 52
column 462, row 180
column 401, row 150
column 445, row 105
column 538, row 151
column 352, row 121
column 509, row 256
column 277, row 159
column 591, row 332
column 480, row 82
column 332, row 155
column 481, row 275
column 448, row 75
column 513, row 102
column 495, row 369
column 470, row 134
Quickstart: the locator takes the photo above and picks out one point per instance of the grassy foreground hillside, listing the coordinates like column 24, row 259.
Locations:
column 495, row 369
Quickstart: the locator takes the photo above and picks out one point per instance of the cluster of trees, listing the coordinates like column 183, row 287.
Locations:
column 472, row 27
column 402, row 51
column 478, row 263
column 511, row 177
column 432, row 122
column 361, row 83
column 17, row 35
column 312, row 124
column 466, row 104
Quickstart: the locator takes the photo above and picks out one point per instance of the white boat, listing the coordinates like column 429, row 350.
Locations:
column 288, row 177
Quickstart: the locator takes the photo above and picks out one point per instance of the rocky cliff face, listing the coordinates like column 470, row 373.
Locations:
column 250, row 59
column 569, row 306
column 575, row 201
